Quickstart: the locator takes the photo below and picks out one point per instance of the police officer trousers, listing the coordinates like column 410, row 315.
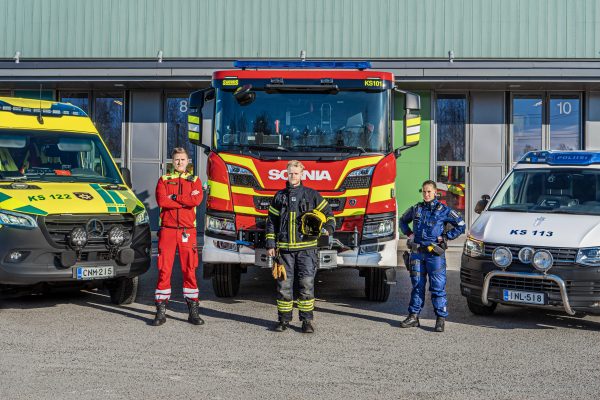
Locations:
column 423, row 265
column 302, row 264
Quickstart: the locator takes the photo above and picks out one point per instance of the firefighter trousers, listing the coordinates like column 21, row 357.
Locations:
column 170, row 240
column 303, row 265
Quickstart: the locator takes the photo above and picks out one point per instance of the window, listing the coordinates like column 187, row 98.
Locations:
column 451, row 149
column 177, row 134
column 545, row 121
column 109, row 113
column 79, row 99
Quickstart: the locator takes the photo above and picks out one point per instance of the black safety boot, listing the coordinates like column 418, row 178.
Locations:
column 281, row 326
column 410, row 322
column 439, row 324
column 161, row 314
column 307, row 327
column 194, row 308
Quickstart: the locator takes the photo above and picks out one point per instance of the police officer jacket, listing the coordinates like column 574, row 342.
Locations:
column 285, row 212
column 429, row 221
column 176, row 201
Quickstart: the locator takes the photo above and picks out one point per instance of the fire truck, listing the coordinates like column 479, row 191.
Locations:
column 336, row 117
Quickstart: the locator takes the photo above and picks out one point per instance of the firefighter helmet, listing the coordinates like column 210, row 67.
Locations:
column 311, row 222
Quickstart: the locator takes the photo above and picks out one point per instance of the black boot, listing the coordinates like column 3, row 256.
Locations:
column 161, row 314
column 281, row 326
column 194, row 309
column 410, row 322
column 439, row 324
column 307, row 327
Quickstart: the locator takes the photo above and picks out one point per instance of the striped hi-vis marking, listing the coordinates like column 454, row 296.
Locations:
column 306, row 305
column 285, row 306
column 110, row 205
column 413, row 130
column 117, row 198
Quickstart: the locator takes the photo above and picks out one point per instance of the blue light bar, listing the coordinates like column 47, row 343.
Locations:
column 243, row 64
column 561, row 158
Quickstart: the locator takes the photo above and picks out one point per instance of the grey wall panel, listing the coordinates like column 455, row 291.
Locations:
column 144, row 176
column 145, row 125
column 488, row 130
column 592, row 125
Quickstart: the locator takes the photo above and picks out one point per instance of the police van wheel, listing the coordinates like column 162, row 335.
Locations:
column 479, row 309
column 226, row 279
column 376, row 287
column 123, row 291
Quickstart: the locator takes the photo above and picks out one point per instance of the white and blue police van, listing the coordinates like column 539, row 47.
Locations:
column 537, row 240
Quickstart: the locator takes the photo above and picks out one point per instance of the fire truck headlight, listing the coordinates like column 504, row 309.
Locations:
column 590, row 256
column 221, row 225
column 367, row 171
column 234, row 169
column 379, row 228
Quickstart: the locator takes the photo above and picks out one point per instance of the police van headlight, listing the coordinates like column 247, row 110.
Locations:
column 142, row 218
column 17, row 220
column 473, row 247
column 221, row 225
column 378, row 229
column 542, row 260
column 502, row 256
column 589, row 256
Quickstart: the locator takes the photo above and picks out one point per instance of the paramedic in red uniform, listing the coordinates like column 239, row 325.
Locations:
column 178, row 194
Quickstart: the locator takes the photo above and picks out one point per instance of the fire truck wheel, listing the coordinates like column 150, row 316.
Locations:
column 479, row 309
column 226, row 280
column 123, row 291
column 376, row 287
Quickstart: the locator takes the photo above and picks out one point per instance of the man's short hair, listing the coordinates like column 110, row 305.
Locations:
column 295, row 163
column 179, row 150
column 429, row 182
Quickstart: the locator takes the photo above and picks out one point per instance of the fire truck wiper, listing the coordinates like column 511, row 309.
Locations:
column 265, row 147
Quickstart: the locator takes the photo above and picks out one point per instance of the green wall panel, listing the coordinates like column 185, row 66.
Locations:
column 412, row 167
column 281, row 28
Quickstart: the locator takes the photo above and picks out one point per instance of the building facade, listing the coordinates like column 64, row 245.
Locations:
column 497, row 78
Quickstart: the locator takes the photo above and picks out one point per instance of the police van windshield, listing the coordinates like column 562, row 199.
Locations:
column 55, row 157
column 559, row 190
column 345, row 121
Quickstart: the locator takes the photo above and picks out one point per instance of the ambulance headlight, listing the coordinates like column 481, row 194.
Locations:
column 78, row 237
column 221, row 225
column 17, row 220
column 473, row 247
column 142, row 218
column 589, row 256
column 502, row 256
column 542, row 260
column 116, row 236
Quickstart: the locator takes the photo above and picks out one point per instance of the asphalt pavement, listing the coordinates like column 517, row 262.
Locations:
column 80, row 346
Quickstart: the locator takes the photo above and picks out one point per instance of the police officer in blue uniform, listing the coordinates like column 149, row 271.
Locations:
column 427, row 241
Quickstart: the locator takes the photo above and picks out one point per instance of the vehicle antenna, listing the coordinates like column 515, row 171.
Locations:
column 40, row 118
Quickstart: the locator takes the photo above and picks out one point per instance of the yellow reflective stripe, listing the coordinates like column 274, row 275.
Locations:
column 247, row 210
column 412, row 138
column 270, row 236
column 306, row 305
column 381, row 193
column 244, row 162
column 299, row 245
column 348, row 212
column 413, row 121
column 285, row 306
column 357, row 163
column 194, row 135
column 275, row 211
column 248, row 191
column 218, row 190
column 349, row 193
column 322, row 205
column 194, row 119
column 331, row 219
column 292, row 223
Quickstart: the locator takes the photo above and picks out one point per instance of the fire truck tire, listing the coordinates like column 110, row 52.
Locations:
column 479, row 309
column 376, row 287
column 123, row 291
column 226, row 279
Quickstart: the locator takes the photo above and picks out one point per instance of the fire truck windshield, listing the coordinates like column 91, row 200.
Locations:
column 342, row 122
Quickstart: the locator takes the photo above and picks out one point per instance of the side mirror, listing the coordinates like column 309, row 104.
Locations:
column 481, row 204
column 196, row 102
column 412, row 120
column 412, row 102
column 127, row 177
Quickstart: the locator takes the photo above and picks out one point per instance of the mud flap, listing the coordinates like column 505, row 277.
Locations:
column 390, row 276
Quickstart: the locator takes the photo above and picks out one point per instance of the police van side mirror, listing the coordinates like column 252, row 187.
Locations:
column 481, row 204
column 196, row 102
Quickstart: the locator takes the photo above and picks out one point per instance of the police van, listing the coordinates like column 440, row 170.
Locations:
column 68, row 216
column 537, row 241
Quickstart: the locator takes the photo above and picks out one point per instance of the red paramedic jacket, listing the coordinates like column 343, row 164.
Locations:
column 179, row 212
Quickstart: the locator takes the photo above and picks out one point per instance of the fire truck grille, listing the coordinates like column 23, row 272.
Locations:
column 244, row 180
column 336, row 203
column 357, row 182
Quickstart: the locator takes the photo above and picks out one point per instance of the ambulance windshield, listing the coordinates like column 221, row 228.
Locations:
column 550, row 190
column 55, row 157
column 344, row 121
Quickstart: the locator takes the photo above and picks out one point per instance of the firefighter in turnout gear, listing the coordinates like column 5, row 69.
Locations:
column 297, row 217
column 178, row 194
column 427, row 244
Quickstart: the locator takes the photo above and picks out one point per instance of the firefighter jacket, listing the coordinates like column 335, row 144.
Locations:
column 175, row 199
column 285, row 212
column 429, row 221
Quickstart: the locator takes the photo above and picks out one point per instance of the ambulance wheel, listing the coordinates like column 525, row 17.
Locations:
column 226, row 279
column 479, row 309
column 123, row 291
column 376, row 287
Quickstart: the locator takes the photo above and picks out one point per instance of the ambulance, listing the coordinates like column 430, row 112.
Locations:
column 68, row 216
column 537, row 241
